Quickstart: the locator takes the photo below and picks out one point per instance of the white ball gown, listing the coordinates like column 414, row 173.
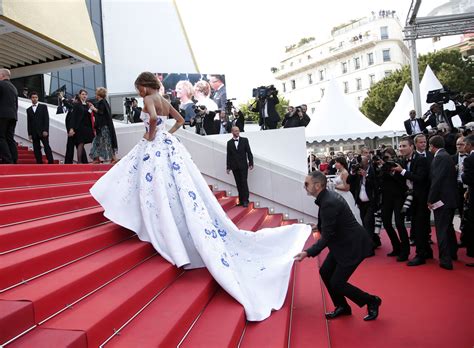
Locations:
column 157, row 191
column 349, row 198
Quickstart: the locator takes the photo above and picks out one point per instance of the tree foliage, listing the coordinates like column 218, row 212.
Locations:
column 253, row 116
column 452, row 70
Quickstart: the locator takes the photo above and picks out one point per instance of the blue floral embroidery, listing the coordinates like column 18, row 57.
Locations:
column 159, row 121
column 146, row 157
column 211, row 233
column 224, row 262
column 168, row 141
column 222, row 232
column 175, row 166
column 192, row 195
column 148, row 177
column 157, row 153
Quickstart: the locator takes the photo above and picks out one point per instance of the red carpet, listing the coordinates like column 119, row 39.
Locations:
column 86, row 278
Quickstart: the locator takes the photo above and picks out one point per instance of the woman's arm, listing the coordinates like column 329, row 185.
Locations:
column 344, row 186
column 177, row 116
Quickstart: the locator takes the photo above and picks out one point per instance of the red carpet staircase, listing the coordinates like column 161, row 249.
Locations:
column 27, row 156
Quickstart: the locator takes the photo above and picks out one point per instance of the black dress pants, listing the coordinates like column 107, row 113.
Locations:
column 335, row 277
column 367, row 215
column 445, row 234
column 240, row 176
column 393, row 206
column 8, row 150
column 47, row 149
column 422, row 225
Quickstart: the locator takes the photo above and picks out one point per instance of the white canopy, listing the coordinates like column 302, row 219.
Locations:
column 399, row 114
column 336, row 118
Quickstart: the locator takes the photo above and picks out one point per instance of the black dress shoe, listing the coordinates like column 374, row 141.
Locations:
column 245, row 204
column 238, row 204
column 373, row 309
column 412, row 242
column 416, row 261
column 402, row 258
column 394, row 253
column 470, row 264
column 339, row 311
column 447, row 266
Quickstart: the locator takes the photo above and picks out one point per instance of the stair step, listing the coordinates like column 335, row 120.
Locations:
column 220, row 194
column 216, row 329
column 289, row 222
column 169, row 316
column 11, row 169
column 15, row 317
column 228, row 203
column 27, row 233
column 107, row 310
column 26, row 263
column 52, row 191
column 252, row 220
column 238, row 212
column 55, row 291
column 273, row 220
column 46, row 338
column 16, row 213
column 12, row 180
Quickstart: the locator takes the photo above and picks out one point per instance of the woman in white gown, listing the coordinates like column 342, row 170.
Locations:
column 343, row 188
column 158, row 192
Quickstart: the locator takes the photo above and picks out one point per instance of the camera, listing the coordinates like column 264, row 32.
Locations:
column 199, row 109
column 442, row 96
column 378, row 221
column 408, row 201
column 355, row 168
column 264, row 92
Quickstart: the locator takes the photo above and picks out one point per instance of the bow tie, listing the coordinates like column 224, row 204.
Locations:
column 236, row 139
column 465, row 155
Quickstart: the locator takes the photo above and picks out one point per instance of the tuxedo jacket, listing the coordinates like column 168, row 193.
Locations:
column 443, row 180
column 408, row 126
column 419, row 174
column 239, row 121
column 217, row 126
column 355, row 181
column 8, row 100
column 347, row 241
column 273, row 116
column 240, row 157
column 468, row 177
column 37, row 122
column 431, row 120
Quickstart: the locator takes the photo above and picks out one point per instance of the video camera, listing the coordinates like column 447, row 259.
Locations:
column 264, row 92
column 442, row 96
column 199, row 109
column 229, row 106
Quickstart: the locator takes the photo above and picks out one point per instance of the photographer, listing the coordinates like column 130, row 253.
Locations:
column 203, row 120
column 364, row 187
column 222, row 125
column 238, row 119
column 393, row 188
column 466, row 109
column 136, row 111
column 265, row 103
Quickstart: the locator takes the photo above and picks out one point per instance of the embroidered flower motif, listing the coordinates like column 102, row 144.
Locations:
column 157, row 153
column 148, row 177
column 146, row 157
column 168, row 141
column 192, row 195
column 222, row 232
column 224, row 262
column 159, row 121
column 175, row 166
column 211, row 233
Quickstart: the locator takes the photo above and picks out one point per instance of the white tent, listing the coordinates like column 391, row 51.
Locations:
column 336, row 118
column 399, row 114
column 428, row 83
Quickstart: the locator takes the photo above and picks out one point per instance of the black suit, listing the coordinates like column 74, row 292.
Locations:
column 239, row 121
column 38, row 122
column 468, row 179
column 267, row 106
column 237, row 162
column 417, row 170
column 443, row 188
column 409, row 127
column 69, row 156
column 8, row 119
column 227, row 125
column 434, row 119
column 348, row 245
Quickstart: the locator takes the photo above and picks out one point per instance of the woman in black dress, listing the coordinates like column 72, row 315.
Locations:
column 81, row 125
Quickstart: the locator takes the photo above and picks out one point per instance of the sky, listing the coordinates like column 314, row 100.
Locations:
column 243, row 39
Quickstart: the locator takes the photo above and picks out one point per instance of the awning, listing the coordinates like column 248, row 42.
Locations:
column 41, row 36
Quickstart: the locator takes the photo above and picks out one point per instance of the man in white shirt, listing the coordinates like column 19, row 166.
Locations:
column 414, row 125
column 38, row 128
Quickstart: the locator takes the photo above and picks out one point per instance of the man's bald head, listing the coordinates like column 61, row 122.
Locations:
column 5, row 74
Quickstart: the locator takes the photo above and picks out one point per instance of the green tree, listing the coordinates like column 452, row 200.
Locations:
column 452, row 70
column 253, row 116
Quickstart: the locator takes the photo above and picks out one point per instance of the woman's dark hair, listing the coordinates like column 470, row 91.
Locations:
column 82, row 90
column 342, row 161
column 147, row 79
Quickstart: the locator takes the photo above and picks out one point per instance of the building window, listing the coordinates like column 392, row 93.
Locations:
column 310, row 79
column 282, row 67
column 309, row 57
column 312, row 110
column 322, row 92
column 383, row 33
column 291, row 63
column 359, row 84
column 344, row 67
column 371, row 79
column 370, row 58
column 359, row 101
column 357, row 63
column 293, row 84
column 284, row 87
column 388, row 73
column 321, row 75
column 386, row 55
column 346, row 87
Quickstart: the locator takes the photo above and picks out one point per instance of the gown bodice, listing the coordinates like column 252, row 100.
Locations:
column 160, row 123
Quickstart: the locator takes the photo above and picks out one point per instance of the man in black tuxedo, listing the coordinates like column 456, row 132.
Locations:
column 239, row 120
column 443, row 192
column 348, row 245
column 414, row 125
column 222, row 125
column 416, row 170
column 38, row 128
column 437, row 115
column 364, row 187
column 8, row 118
column 266, row 107
column 468, row 179
column 136, row 111
column 239, row 160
